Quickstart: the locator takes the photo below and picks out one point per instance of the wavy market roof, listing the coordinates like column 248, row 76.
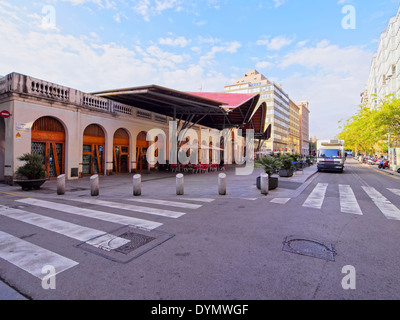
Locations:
column 214, row 110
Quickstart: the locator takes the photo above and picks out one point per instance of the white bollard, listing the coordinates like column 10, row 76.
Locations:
column 180, row 184
column 61, row 184
column 137, row 185
column 222, row 184
column 264, row 184
column 94, row 185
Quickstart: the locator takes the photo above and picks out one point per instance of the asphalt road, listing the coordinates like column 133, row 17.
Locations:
column 214, row 249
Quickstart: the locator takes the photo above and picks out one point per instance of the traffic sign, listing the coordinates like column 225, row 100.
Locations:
column 5, row 114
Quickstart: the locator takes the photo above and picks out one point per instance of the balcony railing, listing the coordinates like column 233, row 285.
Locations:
column 18, row 83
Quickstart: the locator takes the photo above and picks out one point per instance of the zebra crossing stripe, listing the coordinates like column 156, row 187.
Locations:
column 105, row 216
column 395, row 191
column 96, row 238
column 168, row 203
column 389, row 210
column 208, row 200
column 280, row 200
column 31, row 258
column 348, row 201
column 317, row 196
column 123, row 206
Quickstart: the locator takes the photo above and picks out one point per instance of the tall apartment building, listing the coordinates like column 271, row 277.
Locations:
column 294, row 127
column 289, row 120
column 304, row 127
column 277, row 101
column 384, row 77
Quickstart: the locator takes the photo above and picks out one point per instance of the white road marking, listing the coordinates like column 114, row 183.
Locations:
column 395, row 191
column 31, row 258
column 96, row 238
column 348, row 201
column 385, row 206
column 280, row 200
column 129, row 207
column 317, row 196
column 167, row 203
column 105, row 216
column 198, row 199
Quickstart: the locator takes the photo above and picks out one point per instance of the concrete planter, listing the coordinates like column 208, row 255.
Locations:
column 30, row 184
column 286, row 173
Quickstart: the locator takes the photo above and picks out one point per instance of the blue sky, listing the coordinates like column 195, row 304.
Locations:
column 94, row 45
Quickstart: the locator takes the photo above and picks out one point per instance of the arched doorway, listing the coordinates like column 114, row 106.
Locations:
column 141, row 151
column 121, row 151
column 93, row 150
column 2, row 147
column 48, row 140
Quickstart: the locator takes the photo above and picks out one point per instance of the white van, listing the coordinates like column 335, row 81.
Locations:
column 331, row 155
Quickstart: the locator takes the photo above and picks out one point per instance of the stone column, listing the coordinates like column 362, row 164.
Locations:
column 94, row 185
column 264, row 184
column 137, row 185
column 179, row 184
column 61, row 184
column 222, row 184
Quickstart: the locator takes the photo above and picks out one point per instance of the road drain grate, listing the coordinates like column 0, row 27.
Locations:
column 309, row 247
column 140, row 242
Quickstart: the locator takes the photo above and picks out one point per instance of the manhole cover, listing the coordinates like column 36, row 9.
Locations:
column 139, row 241
column 136, row 240
column 309, row 247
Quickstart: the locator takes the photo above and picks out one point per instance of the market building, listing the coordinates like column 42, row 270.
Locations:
column 80, row 134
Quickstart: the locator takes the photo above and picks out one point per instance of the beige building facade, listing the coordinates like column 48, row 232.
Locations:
column 384, row 76
column 304, row 113
column 294, row 128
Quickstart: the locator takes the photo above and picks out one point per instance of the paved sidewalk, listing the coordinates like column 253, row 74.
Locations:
column 162, row 185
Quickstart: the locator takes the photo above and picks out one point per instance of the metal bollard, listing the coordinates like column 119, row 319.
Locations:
column 137, row 185
column 264, row 184
column 222, row 184
column 180, row 184
column 94, row 185
column 61, row 184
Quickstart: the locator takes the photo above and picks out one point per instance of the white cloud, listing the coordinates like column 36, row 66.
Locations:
column 89, row 64
column 331, row 78
column 278, row 3
column 228, row 47
column 148, row 8
column 177, row 42
column 275, row 44
column 106, row 4
column 263, row 64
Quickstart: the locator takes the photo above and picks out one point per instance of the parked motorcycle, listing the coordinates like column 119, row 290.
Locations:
column 384, row 164
column 372, row 161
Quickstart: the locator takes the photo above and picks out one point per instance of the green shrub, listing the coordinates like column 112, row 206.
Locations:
column 33, row 167
column 269, row 164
